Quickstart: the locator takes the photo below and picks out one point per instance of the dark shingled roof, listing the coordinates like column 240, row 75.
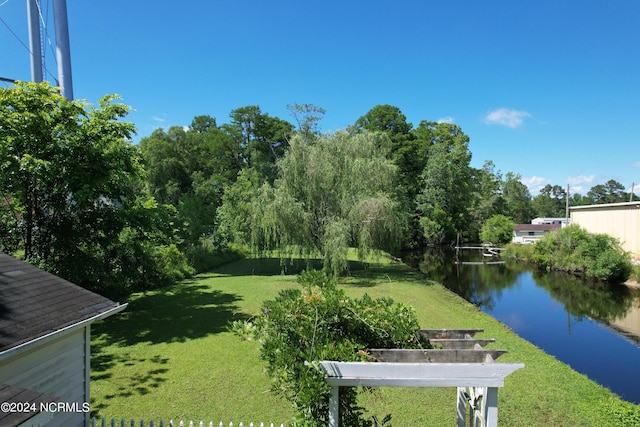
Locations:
column 11, row 394
column 34, row 303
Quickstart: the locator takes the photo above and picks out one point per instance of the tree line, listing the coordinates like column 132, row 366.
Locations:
column 81, row 200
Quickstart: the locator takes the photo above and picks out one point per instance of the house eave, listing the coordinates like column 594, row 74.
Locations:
column 26, row 346
column 605, row 206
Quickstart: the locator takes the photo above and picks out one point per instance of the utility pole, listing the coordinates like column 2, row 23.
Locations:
column 35, row 46
column 566, row 220
column 633, row 184
column 63, row 51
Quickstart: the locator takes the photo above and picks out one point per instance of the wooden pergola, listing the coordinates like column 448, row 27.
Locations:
column 471, row 370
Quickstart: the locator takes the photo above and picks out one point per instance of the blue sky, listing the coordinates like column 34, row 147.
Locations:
column 546, row 89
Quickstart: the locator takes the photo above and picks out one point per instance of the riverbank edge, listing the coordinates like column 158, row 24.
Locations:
column 545, row 378
column 515, row 255
column 545, row 392
column 614, row 410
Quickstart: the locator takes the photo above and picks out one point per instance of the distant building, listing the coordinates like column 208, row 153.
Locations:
column 531, row 233
column 45, row 324
column 619, row 220
column 561, row 221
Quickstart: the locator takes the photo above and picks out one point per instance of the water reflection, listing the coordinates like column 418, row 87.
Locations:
column 482, row 285
column 587, row 299
column 594, row 328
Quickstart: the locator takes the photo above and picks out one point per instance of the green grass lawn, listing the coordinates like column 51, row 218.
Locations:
column 169, row 355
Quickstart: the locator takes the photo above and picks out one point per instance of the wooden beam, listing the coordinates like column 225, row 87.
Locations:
column 418, row 374
column 450, row 333
column 435, row 355
column 461, row 342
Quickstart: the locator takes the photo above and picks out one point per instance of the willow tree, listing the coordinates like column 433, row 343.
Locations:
column 332, row 193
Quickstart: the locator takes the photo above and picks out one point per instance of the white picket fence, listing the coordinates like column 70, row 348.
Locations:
column 142, row 423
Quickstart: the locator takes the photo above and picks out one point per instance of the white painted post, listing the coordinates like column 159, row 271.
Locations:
column 491, row 410
column 334, row 406
column 462, row 408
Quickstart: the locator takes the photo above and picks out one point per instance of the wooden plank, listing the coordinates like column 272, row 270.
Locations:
column 450, row 333
column 393, row 355
column 461, row 342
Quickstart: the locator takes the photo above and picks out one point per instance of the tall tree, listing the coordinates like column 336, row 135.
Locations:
column 261, row 138
column 71, row 178
column 551, row 202
column 330, row 195
column 385, row 118
column 189, row 170
column 609, row 192
column 517, row 198
column 408, row 152
column 577, row 199
column 307, row 116
column 447, row 188
column 271, row 141
column 489, row 200
column 165, row 155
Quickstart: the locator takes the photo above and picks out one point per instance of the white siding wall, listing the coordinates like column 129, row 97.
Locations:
column 525, row 237
column 622, row 222
column 56, row 368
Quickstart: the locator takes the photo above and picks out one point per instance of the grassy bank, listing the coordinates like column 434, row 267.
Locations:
column 170, row 356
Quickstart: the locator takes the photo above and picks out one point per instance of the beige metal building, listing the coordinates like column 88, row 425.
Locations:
column 620, row 220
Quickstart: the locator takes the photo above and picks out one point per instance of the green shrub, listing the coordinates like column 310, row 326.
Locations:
column 173, row 264
column 497, row 230
column 320, row 322
column 573, row 250
column 635, row 272
column 206, row 255
column 610, row 264
column 518, row 251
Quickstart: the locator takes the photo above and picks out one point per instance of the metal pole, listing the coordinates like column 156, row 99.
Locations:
column 63, row 52
column 35, row 48
column 566, row 220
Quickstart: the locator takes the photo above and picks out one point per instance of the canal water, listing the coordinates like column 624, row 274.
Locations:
column 593, row 328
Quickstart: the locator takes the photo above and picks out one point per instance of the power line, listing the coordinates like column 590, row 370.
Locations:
column 15, row 35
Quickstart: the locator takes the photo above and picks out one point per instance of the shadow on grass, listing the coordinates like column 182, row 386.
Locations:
column 180, row 313
column 375, row 274
column 359, row 274
column 140, row 383
column 267, row 267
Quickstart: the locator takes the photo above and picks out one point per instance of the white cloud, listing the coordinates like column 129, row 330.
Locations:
column 535, row 183
column 580, row 183
column 158, row 119
column 506, row 117
column 635, row 164
column 449, row 120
